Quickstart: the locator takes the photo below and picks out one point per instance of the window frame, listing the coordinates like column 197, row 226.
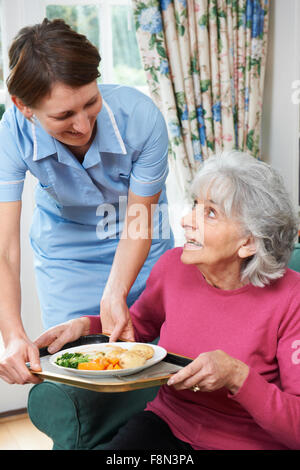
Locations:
column 20, row 13
column 105, row 29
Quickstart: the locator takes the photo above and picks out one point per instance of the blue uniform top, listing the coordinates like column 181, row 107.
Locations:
column 80, row 208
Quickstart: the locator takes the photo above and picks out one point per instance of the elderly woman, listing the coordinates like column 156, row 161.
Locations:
column 227, row 300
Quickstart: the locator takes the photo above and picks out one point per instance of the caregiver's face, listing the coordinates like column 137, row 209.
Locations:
column 69, row 114
column 212, row 239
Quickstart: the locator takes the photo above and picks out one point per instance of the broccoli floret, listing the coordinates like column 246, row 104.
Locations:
column 71, row 360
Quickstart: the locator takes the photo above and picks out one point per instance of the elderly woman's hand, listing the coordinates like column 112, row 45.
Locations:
column 211, row 371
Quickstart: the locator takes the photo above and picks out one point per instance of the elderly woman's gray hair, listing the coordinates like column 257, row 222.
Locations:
column 252, row 193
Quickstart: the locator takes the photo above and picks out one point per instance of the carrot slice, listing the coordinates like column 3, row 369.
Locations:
column 89, row 366
column 100, row 364
column 113, row 361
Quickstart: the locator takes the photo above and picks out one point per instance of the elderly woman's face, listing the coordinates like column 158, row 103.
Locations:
column 211, row 238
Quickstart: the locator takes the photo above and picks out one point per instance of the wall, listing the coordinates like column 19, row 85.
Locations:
column 14, row 15
column 280, row 121
column 13, row 397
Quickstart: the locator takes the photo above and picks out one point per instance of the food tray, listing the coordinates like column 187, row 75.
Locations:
column 155, row 375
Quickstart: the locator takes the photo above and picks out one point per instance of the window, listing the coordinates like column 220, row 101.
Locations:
column 82, row 18
column 126, row 58
column 108, row 24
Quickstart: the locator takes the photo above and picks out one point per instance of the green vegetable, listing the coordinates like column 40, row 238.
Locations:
column 71, row 360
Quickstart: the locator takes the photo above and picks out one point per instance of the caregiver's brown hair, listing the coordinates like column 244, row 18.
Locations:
column 46, row 53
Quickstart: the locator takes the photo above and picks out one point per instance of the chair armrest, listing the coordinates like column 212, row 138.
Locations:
column 76, row 418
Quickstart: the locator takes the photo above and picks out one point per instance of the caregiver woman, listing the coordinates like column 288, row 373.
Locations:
column 96, row 152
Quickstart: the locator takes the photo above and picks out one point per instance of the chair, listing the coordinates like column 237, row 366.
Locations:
column 76, row 418
column 295, row 258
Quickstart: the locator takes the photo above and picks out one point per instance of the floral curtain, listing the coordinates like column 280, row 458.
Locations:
column 205, row 64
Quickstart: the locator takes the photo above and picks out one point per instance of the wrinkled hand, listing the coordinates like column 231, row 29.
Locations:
column 211, row 371
column 116, row 320
column 57, row 336
column 13, row 367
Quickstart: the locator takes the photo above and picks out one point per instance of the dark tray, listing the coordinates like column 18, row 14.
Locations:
column 156, row 375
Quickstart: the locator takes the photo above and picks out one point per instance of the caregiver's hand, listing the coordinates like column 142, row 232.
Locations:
column 115, row 319
column 57, row 336
column 12, row 362
column 211, row 371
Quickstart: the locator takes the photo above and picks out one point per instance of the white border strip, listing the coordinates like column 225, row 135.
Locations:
column 150, row 182
column 34, row 142
column 12, row 182
column 116, row 129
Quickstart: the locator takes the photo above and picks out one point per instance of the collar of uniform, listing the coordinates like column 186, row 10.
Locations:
column 108, row 134
column 108, row 139
column 43, row 143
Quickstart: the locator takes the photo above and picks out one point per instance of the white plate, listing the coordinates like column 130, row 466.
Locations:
column 159, row 354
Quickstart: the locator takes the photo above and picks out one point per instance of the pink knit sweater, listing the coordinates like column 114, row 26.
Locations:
column 259, row 326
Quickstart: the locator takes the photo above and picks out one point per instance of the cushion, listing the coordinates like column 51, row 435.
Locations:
column 294, row 262
column 76, row 418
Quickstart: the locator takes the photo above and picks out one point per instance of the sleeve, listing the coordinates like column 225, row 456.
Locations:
column 277, row 410
column 95, row 325
column 150, row 169
column 12, row 167
column 148, row 311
